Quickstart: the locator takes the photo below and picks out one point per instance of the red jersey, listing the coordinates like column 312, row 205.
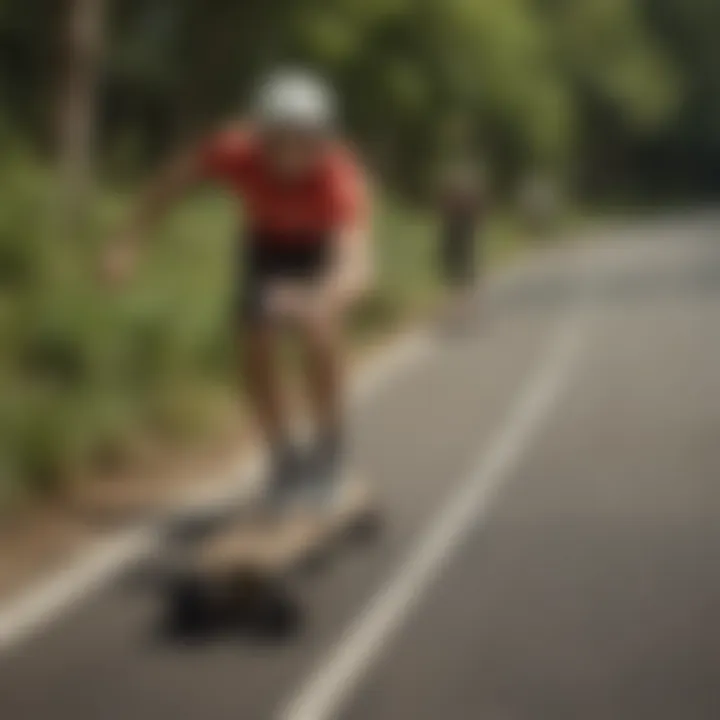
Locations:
column 331, row 196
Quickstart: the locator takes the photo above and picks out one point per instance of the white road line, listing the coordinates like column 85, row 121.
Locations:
column 322, row 697
column 42, row 603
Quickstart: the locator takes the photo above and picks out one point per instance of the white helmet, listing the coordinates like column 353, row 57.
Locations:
column 293, row 98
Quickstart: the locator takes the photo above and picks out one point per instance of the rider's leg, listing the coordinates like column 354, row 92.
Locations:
column 324, row 377
column 265, row 391
column 263, row 384
column 262, row 374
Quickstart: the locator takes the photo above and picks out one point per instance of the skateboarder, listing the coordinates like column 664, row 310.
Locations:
column 304, row 257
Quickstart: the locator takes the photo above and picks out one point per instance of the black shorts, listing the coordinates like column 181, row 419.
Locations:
column 268, row 259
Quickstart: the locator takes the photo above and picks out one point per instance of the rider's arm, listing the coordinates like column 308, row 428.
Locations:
column 169, row 185
column 352, row 268
column 120, row 256
column 220, row 157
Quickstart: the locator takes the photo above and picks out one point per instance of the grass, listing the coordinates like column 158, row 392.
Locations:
column 89, row 377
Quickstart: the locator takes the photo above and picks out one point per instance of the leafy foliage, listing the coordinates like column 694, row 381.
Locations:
column 611, row 92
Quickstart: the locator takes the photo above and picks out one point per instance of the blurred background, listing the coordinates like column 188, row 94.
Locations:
column 613, row 103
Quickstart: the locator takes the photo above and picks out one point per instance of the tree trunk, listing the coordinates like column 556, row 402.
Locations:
column 82, row 47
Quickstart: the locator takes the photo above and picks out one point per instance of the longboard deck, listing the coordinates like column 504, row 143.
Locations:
column 242, row 569
column 270, row 545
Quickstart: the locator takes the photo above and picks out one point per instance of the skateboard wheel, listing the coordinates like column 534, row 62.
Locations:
column 275, row 616
column 189, row 607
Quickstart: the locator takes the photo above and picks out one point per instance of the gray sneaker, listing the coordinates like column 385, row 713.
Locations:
column 286, row 480
column 323, row 478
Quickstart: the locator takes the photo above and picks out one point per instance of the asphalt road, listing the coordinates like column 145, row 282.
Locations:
column 552, row 483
